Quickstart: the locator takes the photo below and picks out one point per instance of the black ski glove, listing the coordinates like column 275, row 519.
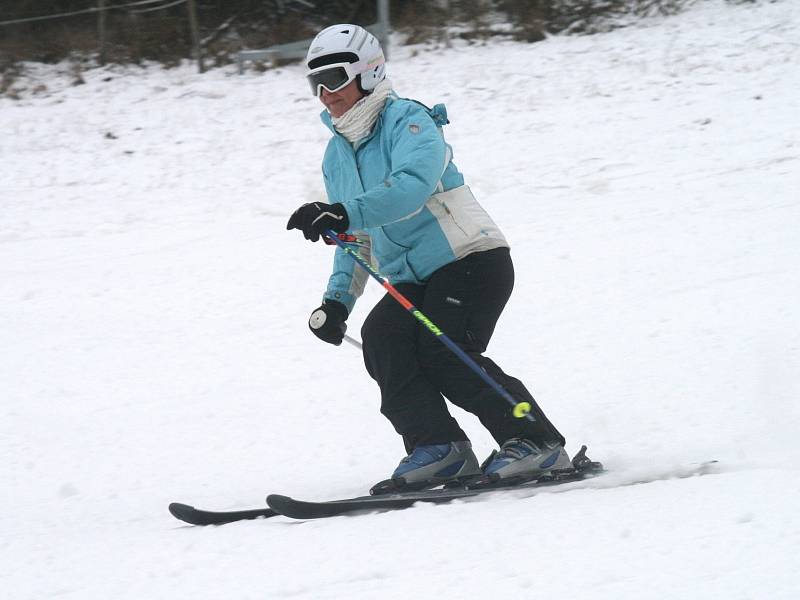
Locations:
column 316, row 217
column 328, row 322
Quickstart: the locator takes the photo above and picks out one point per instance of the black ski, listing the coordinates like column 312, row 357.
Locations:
column 196, row 516
column 582, row 467
column 298, row 509
column 301, row 509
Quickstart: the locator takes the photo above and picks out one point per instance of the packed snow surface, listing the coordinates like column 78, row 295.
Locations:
column 155, row 348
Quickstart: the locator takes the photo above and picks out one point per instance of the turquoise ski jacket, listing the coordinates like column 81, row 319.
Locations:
column 405, row 199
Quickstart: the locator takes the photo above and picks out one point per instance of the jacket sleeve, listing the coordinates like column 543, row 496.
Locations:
column 348, row 280
column 418, row 158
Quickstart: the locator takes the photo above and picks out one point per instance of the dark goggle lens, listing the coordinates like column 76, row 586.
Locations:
column 331, row 79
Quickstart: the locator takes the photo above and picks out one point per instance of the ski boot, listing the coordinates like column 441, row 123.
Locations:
column 524, row 460
column 431, row 466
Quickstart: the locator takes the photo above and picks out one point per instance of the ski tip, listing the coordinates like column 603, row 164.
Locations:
column 300, row 509
column 184, row 512
column 303, row 509
column 278, row 499
column 180, row 508
column 284, row 505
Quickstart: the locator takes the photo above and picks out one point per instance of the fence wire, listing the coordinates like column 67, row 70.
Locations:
column 95, row 9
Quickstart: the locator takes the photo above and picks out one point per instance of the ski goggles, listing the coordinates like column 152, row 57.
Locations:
column 331, row 77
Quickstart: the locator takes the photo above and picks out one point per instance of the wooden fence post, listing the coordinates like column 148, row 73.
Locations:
column 101, row 29
column 198, row 53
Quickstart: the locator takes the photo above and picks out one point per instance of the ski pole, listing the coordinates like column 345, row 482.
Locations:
column 352, row 342
column 519, row 409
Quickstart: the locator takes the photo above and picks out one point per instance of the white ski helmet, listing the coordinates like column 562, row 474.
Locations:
column 341, row 53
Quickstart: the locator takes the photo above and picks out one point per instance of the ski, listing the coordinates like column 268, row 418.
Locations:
column 197, row 516
column 584, row 469
column 302, row 509
column 582, row 466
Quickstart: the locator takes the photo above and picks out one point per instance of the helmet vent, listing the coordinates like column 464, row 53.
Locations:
column 330, row 59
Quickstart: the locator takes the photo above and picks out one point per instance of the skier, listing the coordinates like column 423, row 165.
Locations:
column 392, row 186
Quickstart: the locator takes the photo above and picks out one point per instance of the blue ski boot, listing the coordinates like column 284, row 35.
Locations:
column 523, row 458
column 431, row 466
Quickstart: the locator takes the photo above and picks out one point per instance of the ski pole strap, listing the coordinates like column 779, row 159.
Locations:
column 519, row 409
column 345, row 237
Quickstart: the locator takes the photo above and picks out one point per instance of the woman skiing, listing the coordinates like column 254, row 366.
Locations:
column 392, row 186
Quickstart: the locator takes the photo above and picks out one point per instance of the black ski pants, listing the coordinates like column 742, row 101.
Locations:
column 414, row 370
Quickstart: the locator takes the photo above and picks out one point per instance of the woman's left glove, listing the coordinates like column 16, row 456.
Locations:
column 328, row 322
column 315, row 218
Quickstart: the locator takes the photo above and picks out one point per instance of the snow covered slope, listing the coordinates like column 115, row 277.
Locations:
column 154, row 342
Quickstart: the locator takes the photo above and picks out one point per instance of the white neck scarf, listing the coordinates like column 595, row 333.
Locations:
column 357, row 122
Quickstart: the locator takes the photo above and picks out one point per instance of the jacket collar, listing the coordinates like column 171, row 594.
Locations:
column 325, row 117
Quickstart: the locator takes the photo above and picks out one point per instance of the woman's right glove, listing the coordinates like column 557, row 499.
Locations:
column 328, row 322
